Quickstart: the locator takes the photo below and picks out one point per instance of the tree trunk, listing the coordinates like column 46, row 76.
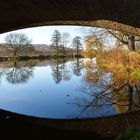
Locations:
column 77, row 50
column 57, row 51
column 64, row 49
column 131, row 43
column 130, row 90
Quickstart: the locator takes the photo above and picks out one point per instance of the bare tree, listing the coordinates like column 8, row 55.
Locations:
column 65, row 40
column 120, row 38
column 17, row 42
column 124, row 39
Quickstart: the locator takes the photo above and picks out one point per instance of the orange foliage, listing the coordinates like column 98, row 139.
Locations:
column 122, row 64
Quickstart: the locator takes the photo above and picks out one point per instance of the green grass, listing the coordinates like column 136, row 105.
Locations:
column 136, row 74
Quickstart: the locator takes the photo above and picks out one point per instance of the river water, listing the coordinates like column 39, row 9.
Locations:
column 59, row 88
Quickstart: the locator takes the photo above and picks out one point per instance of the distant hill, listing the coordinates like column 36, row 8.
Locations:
column 40, row 45
column 43, row 48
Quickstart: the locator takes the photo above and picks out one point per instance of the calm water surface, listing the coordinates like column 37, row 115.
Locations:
column 64, row 89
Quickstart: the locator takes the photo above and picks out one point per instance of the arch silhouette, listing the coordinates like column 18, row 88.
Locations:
column 120, row 15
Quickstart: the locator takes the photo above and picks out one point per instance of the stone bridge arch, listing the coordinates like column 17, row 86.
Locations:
column 120, row 15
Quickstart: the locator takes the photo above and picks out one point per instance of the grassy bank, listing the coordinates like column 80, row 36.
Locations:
column 123, row 64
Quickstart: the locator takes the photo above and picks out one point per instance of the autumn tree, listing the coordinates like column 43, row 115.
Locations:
column 17, row 42
column 77, row 44
column 93, row 44
column 56, row 40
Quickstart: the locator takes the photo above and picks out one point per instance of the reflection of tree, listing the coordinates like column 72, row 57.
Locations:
column 77, row 66
column 66, row 72
column 2, row 72
column 57, row 71
column 20, row 72
column 108, row 90
column 60, row 70
column 92, row 73
column 127, row 98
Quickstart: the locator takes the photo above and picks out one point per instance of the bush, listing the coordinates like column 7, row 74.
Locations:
column 122, row 64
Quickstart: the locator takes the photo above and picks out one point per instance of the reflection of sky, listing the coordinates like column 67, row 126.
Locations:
column 41, row 97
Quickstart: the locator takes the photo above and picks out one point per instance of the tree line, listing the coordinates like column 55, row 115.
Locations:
column 18, row 43
column 95, row 40
column 60, row 42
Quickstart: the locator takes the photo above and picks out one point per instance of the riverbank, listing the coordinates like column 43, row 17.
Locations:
column 39, row 57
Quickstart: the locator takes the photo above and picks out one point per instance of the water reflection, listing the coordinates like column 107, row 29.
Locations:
column 19, row 72
column 57, row 71
column 61, row 69
column 66, row 72
column 104, row 89
column 72, row 88
column 77, row 66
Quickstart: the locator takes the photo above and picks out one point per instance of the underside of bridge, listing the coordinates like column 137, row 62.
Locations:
column 120, row 15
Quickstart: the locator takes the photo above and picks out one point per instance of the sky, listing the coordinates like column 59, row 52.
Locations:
column 42, row 35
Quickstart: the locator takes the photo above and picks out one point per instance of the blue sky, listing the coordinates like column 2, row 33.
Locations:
column 42, row 35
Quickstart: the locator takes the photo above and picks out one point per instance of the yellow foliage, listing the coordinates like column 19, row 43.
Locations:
column 122, row 64
column 89, row 54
